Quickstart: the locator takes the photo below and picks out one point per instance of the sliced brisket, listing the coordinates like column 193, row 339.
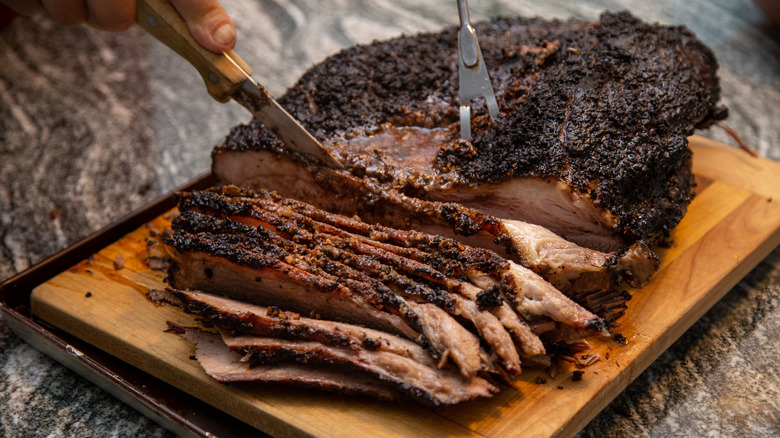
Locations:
column 267, row 250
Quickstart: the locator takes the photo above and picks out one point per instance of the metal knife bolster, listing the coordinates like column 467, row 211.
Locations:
column 256, row 99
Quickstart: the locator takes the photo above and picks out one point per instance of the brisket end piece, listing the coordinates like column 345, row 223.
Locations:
column 610, row 118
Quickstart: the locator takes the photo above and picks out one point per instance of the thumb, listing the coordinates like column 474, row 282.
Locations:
column 208, row 23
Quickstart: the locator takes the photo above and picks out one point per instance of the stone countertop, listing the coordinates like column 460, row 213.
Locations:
column 94, row 124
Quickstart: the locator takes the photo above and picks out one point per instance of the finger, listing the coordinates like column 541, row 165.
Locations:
column 113, row 15
column 208, row 23
column 66, row 12
column 25, row 7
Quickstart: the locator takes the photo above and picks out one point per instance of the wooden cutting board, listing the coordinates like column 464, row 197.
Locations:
column 732, row 224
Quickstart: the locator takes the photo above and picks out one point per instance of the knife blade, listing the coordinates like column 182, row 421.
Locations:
column 227, row 77
column 259, row 102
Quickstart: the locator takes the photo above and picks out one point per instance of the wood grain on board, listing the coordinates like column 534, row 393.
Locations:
column 732, row 224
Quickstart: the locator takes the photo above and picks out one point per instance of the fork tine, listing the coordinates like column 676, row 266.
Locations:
column 465, row 121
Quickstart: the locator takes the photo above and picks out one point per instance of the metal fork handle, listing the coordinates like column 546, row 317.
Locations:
column 474, row 79
column 469, row 48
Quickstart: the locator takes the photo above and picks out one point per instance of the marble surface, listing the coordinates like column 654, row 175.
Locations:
column 94, row 124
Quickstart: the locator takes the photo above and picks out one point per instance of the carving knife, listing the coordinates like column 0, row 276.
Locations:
column 227, row 77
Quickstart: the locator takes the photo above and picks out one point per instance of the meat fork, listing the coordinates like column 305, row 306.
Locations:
column 474, row 80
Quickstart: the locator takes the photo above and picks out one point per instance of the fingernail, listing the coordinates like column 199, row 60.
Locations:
column 224, row 34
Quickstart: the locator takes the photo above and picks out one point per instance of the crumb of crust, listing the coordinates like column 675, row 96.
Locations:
column 620, row 339
column 119, row 262
column 193, row 358
column 156, row 263
column 88, row 294
column 577, row 375
column 170, row 214
column 541, row 380
column 560, row 387
column 552, row 370
column 587, row 359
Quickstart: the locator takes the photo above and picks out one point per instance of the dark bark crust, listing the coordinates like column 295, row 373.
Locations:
column 604, row 107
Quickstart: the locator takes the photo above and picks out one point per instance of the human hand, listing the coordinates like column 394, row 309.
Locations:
column 207, row 20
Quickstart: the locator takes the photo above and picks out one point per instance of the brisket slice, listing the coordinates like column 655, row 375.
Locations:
column 225, row 366
column 431, row 386
column 201, row 263
column 238, row 317
column 381, row 265
column 590, row 142
column 301, row 291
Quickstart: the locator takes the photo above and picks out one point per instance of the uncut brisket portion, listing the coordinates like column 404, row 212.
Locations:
column 591, row 140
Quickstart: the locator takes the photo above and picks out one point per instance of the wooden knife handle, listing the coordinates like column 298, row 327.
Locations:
column 222, row 77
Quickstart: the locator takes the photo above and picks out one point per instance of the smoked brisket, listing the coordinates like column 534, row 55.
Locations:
column 432, row 268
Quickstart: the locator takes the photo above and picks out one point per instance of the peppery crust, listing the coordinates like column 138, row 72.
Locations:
column 603, row 107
